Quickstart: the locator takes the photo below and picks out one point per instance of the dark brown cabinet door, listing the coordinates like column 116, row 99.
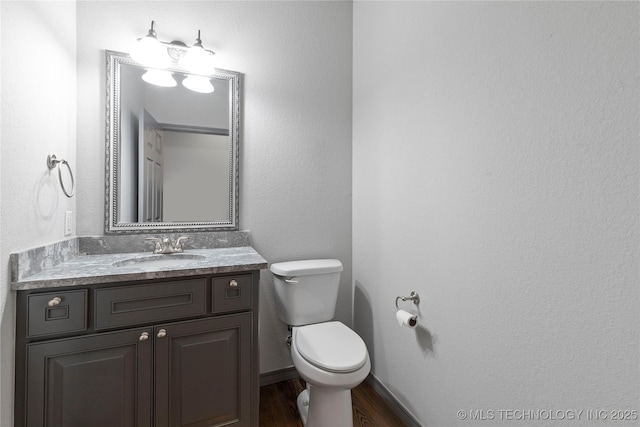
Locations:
column 95, row 380
column 203, row 374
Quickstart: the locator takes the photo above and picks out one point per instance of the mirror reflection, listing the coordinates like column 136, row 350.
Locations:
column 172, row 152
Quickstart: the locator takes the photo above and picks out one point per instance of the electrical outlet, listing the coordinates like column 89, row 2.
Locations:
column 68, row 222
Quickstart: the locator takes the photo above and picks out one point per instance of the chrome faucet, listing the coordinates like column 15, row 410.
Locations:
column 164, row 245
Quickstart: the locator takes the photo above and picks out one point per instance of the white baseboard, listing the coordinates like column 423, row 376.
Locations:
column 272, row 377
column 390, row 399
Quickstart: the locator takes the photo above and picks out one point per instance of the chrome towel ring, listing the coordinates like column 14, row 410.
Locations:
column 413, row 297
column 52, row 162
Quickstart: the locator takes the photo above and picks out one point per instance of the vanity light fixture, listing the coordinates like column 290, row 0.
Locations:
column 198, row 60
column 158, row 55
column 149, row 50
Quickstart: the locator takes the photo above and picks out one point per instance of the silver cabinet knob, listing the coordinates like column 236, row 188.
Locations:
column 144, row 336
column 162, row 333
column 233, row 284
column 54, row 301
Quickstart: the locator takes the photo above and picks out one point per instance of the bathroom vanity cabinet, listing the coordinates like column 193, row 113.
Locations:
column 168, row 352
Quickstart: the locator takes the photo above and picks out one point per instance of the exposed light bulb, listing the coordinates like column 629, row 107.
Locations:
column 159, row 78
column 198, row 84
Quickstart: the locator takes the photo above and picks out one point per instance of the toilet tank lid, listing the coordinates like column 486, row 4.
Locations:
column 306, row 267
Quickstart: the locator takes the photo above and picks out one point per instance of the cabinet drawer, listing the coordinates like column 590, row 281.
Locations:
column 135, row 304
column 56, row 312
column 231, row 293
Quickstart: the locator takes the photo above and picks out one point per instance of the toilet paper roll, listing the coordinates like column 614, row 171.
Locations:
column 407, row 319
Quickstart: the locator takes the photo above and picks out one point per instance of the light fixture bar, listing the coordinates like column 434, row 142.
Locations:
column 181, row 46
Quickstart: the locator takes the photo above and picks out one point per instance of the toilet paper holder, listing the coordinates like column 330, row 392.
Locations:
column 413, row 296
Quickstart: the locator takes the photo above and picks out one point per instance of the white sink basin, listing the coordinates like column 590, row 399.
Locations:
column 158, row 260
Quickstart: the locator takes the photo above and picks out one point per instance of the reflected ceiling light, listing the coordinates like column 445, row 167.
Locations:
column 198, row 84
column 153, row 53
column 159, row 78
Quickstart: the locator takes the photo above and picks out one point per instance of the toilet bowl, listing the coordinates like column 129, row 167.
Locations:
column 332, row 359
column 327, row 354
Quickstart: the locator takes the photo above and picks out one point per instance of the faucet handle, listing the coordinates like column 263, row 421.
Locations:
column 157, row 244
column 179, row 242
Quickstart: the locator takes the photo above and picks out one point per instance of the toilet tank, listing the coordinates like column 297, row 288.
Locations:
column 306, row 291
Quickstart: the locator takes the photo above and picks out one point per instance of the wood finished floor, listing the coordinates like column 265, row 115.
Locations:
column 278, row 406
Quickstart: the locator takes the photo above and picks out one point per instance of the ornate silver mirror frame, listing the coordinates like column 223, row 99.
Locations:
column 113, row 193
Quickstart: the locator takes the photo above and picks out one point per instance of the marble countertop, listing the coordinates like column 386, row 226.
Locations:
column 84, row 269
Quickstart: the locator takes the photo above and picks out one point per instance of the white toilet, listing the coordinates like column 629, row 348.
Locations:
column 329, row 356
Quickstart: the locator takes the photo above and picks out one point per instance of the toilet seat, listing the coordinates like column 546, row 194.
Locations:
column 331, row 346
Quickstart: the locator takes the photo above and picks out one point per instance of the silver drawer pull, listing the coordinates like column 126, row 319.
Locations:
column 233, row 284
column 144, row 336
column 162, row 333
column 54, row 301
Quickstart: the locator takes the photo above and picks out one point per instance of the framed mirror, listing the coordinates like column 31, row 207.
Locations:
column 171, row 152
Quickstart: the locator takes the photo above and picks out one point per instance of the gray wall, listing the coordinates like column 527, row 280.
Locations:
column 498, row 176
column 295, row 152
column 37, row 118
column 195, row 157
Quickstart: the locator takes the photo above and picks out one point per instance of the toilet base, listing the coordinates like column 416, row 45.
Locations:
column 325, row 407
column 303, row 405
